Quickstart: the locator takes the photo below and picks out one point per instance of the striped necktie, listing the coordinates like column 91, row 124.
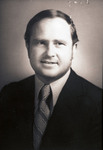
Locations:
column 42, row 115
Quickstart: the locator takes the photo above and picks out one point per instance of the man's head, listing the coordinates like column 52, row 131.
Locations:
column 50, row 39
column 50, row 13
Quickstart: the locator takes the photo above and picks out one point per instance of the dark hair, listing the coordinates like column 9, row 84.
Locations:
column 50, row 13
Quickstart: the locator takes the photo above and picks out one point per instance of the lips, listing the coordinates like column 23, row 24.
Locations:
column 48, row 62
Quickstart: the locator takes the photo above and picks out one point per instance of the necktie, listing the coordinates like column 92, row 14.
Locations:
column 42, row 115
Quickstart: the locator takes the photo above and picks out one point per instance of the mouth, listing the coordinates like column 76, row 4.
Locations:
column 48, row 62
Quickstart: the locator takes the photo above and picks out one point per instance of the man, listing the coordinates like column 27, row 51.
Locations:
column 70, row 116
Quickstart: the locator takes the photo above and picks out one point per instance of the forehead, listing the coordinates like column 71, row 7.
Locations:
column 52, row 26
column 52, row 23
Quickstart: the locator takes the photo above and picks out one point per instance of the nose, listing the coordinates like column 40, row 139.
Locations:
column 51, row 50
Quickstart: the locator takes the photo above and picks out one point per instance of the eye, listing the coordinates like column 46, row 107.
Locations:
column 42, row 42
column 59, row 43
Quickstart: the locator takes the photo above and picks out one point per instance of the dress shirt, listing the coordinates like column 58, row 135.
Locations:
column 56, row 88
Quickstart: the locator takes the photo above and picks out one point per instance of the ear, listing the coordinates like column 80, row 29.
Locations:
column 27, row 46
column 74, row 48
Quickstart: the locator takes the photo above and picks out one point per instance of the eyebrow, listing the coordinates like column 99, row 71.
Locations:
column 38, row 39
column 60, row 40
column 46, row 40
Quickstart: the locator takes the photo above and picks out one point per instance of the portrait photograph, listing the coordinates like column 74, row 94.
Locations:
column 51, row 74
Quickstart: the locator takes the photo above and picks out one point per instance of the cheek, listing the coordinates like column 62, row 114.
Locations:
column 34, row 54
column 65, row 56
column 33, row 58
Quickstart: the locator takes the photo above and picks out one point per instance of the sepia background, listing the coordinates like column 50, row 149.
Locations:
column 14, row 16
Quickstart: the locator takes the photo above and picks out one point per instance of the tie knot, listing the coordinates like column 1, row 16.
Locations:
column 45, row 92
column 45, row 96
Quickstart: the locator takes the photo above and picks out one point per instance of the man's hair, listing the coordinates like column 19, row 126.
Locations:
column 50, row 13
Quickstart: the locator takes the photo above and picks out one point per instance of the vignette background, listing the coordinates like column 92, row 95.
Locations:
column 14, row 16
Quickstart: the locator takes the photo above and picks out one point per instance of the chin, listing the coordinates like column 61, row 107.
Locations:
column 50, row 76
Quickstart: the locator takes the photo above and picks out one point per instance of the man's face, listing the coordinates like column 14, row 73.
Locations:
column 51, row 48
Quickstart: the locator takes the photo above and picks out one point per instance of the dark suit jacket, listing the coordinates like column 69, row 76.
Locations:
column 75, row 123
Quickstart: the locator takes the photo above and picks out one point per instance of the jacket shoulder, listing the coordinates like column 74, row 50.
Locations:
column 17, row 88
column 81, row 86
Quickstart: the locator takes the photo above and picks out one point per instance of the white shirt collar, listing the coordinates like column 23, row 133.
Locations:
column 56, row 87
